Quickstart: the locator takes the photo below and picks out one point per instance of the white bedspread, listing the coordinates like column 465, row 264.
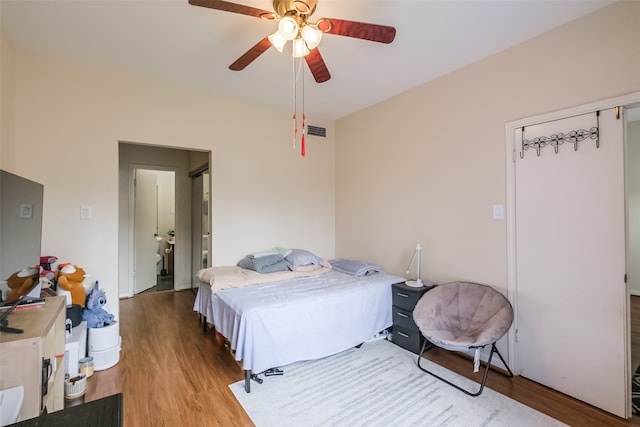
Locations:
column 274, row 324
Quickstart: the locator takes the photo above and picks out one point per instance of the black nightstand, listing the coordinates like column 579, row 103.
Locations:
column 405, row 331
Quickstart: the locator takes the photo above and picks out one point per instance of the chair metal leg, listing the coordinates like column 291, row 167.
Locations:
column 494, row 349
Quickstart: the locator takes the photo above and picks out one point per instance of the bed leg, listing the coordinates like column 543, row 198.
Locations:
column 247, row 381
column 248, row 376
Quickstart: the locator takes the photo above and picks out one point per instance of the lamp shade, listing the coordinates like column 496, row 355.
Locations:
column 300, row 48
column 288, row 28
column 311, row 36
column 277, row 40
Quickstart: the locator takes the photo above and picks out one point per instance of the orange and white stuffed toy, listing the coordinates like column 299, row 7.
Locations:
column 70, row 278
column 20, row 282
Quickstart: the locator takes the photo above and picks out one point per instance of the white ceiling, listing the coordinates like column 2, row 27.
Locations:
column 176, row 42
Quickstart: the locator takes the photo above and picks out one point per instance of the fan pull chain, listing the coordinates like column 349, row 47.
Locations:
column 297, row 73
column 295, row 107
column 303, row 149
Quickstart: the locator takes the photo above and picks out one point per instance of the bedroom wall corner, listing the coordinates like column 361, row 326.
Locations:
column 263, row 193
column 433, row 159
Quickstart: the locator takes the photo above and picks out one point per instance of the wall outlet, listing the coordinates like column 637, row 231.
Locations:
column 85, row 212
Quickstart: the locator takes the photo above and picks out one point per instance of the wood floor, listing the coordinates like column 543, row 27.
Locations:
column 171, row 373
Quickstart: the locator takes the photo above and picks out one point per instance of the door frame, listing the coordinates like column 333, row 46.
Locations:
column 196, row 220
column 511, row 152
column 131, row 219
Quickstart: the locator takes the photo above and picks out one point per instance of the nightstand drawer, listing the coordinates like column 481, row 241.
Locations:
column 404, row 319
column 406, row 338
column 406, row 298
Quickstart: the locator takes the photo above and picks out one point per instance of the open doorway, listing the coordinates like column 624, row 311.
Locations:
column 178, row 260
column 154, row 230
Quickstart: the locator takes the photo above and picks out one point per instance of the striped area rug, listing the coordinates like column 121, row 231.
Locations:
column 378, row 384
column 635, row 392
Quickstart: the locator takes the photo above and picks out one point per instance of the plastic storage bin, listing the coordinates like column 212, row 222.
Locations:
column 104, row 346
column 104, row 359
column 75, row 348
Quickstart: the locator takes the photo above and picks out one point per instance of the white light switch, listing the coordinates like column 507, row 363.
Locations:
column 85, row 212
column 498, row 211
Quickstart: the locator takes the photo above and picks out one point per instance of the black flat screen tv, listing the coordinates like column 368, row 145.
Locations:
column 21, row 202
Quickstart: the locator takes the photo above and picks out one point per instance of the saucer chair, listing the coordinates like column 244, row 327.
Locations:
column 463, row 316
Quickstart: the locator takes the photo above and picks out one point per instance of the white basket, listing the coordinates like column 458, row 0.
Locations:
column 75, row 389
column 104, row 338
column 104, row 359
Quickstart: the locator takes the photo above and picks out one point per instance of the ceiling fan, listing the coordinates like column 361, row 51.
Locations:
column 294, row 25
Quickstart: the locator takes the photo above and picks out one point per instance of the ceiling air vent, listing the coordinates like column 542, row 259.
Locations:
column 316, row 131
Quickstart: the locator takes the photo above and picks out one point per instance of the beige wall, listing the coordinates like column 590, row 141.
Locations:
column 434, row 157
column 7, row 100
column 70, row 118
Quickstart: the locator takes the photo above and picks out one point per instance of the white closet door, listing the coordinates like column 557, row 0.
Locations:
column 570, row 234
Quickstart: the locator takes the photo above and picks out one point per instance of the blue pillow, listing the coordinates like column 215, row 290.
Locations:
column 300, row 257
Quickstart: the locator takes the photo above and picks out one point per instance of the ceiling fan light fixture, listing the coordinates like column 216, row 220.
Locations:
column 301, row 7
column 300, row 48
column 288, row 28
column 277, row 40
column 311, row 36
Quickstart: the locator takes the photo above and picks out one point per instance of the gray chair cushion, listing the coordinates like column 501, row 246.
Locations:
column 461, row 315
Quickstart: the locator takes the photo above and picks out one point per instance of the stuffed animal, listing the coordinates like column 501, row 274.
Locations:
column 46, row 288
column 45, row 266
column 20, row 282
column 93, row 313
column 70, row 278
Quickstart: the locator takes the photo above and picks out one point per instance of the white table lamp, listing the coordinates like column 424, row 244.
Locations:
column 417, row 253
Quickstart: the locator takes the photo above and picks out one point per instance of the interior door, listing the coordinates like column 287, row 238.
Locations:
column 145, row 228
column 199, row 224
column 571, row 316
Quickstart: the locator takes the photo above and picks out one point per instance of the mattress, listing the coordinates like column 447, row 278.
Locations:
column 273, row 324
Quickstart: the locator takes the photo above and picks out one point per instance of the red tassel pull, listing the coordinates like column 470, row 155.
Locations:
column 295, row 130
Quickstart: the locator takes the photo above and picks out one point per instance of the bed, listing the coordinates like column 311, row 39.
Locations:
column 271, row 320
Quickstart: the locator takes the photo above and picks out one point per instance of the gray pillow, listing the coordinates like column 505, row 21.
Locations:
column 300, row 257
column 355, row 268
column 264, row 264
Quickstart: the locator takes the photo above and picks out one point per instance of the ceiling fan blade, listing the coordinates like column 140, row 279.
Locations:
column 358, row 30
column 317, row 66
column 228, row 6
column 251, row 55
